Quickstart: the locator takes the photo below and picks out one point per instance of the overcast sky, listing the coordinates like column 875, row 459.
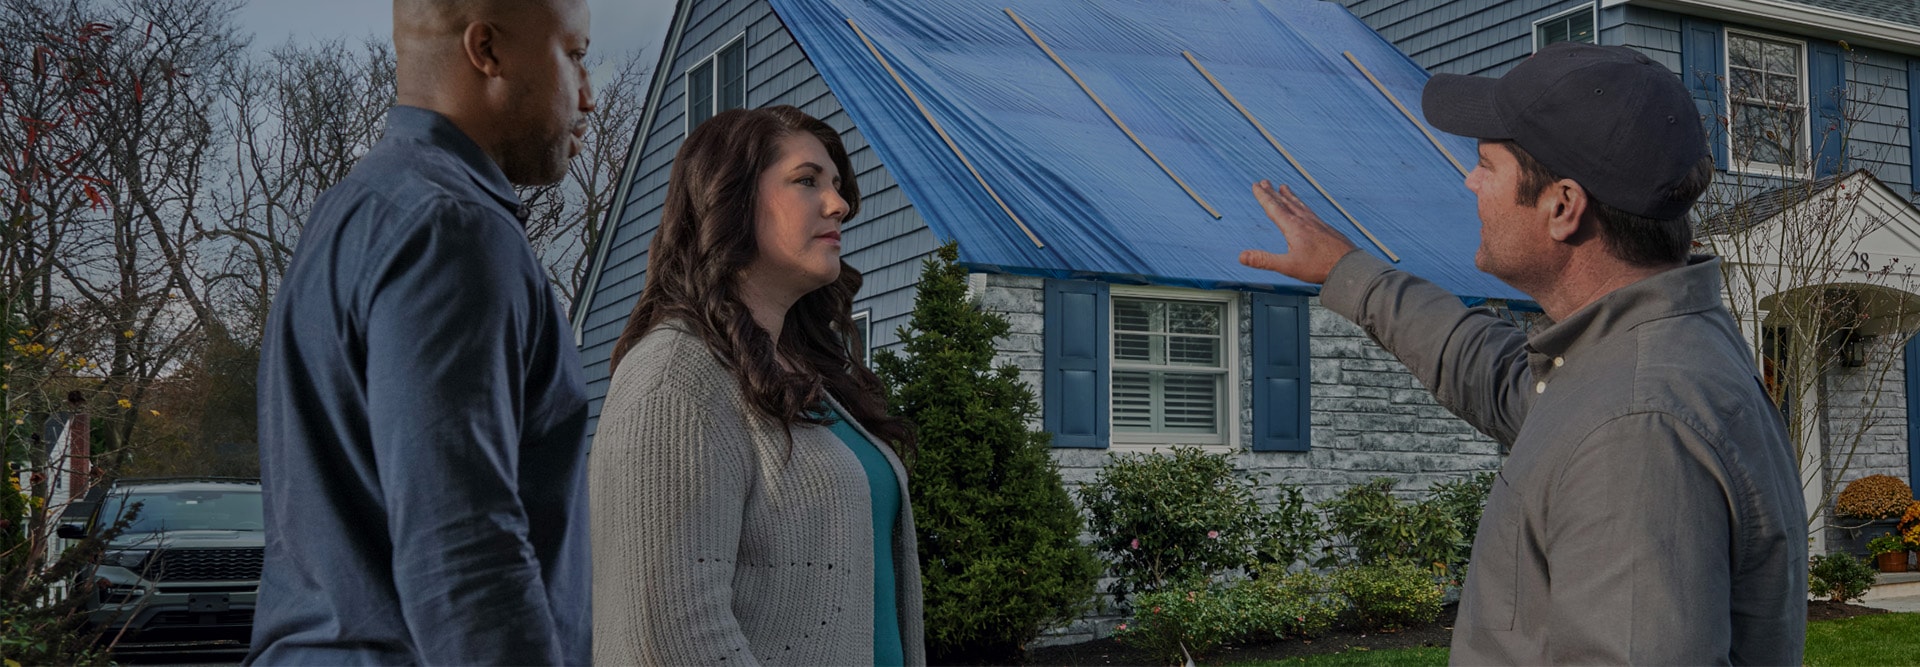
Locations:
column 618, row 25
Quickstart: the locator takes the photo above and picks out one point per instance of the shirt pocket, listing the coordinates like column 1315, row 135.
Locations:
column 1494, row 571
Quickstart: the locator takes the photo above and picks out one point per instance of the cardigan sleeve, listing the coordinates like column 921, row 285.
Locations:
column 668, row 491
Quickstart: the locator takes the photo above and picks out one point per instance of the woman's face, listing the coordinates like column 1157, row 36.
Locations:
column 797, row 221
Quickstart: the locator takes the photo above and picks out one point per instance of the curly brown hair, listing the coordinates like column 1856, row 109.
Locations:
column 706, row 238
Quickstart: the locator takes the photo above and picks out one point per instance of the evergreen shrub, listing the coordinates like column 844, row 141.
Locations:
column 1839, row 577
column 1378, row 528
column 1183, row 516
column 1000, row 552
column 1391, row 595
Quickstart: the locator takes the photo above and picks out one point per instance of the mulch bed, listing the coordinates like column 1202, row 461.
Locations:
column 1824, row 610
column 1111, row 652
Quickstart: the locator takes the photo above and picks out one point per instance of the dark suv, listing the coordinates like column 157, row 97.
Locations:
column 187, row 569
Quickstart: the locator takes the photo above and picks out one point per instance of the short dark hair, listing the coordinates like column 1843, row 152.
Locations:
column 1634, row 239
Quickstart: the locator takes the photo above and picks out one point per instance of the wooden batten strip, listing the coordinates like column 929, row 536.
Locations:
column 924, row 113
column 1110, row 115
column 1404, row 112
column 1289, row 156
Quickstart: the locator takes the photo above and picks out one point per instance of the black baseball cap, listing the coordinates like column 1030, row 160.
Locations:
column 1608, row 117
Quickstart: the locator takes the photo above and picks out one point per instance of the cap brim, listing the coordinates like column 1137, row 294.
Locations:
column 1463, row 105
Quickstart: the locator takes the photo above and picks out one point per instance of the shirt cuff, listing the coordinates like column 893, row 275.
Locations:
column 1345, row 292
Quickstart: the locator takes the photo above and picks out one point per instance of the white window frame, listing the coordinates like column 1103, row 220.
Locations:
column 1229, row 413
column 1804, row 160
column 686, row 86
column 1591, row 7
column 863, row 320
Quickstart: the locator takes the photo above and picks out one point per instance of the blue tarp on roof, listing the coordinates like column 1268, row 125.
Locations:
column 1099, row 204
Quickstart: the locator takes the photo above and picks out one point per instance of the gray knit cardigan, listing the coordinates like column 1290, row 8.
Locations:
column 714, row 544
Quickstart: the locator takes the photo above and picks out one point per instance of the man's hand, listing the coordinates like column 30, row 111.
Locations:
column 1312, row 246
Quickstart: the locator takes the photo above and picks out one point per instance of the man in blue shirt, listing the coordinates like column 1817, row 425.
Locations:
column 422, row 419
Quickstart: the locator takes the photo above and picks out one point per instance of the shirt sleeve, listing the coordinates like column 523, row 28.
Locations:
column 1638, row 539
column 450, row 313
column 669, row 490
column 1474, row 362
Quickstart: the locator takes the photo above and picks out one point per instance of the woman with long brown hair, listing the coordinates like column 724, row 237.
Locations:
column 748, row 503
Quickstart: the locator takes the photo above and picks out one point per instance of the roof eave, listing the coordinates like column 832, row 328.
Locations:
column 1800, row 19
column 583, row 302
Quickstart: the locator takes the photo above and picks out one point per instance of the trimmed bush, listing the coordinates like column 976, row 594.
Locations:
column 1182, row 621
column 1388, row 596
column 1188, row 516
column 1288, row 605
column 1379, row 528
column 1839, row 577
column 1000, row 554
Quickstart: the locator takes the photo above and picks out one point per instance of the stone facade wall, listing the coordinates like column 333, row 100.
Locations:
column 1370, row 417
column 1865, row 424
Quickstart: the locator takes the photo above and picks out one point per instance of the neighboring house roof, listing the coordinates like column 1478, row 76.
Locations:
column 1762, row 206
column 1098, row 204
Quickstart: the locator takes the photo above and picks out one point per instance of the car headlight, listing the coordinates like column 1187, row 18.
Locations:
column 132, row 559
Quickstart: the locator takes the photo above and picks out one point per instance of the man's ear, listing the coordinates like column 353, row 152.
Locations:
column 481, row 41
column 1566, row 204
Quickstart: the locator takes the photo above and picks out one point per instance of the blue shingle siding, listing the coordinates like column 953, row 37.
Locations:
column 1650, row 31
column 1877, row 106
column 886, row 243
column 1485, row 37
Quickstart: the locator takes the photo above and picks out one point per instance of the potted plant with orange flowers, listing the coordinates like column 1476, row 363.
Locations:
column 1867, row 508
column 1909, row 528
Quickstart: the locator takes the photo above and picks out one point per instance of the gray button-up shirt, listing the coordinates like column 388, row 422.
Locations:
column 1649, row 511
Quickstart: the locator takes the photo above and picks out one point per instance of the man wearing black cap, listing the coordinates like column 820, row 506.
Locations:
column 1650, row 509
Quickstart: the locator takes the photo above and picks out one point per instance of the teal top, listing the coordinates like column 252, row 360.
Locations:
column 885, row 489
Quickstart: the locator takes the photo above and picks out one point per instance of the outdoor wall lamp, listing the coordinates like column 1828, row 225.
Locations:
column 1853, row 348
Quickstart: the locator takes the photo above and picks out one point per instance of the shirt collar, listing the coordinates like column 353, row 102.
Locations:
column 423, row 126
column 1689, row 289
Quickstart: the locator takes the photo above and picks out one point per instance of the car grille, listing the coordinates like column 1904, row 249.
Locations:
column 176, row 618
column 208, row 565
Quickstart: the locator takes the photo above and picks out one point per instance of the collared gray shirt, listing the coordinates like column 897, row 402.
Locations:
column 1649, row 511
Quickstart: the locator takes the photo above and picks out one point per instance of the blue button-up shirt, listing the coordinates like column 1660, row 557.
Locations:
column 422, row 425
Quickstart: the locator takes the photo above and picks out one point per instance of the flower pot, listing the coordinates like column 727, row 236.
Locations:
column 1851, row 535
column 1892, row 562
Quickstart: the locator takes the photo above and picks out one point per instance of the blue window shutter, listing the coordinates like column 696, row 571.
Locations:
column 1913, row 409
column 1704, row 70
column 1827, row 90
column 1077, row 369
column 1913, row 128
column 1281, row 373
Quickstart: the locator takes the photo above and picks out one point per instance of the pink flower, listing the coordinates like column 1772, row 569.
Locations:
column 1122, row 628
column 1136, row 543
column 1213, row 534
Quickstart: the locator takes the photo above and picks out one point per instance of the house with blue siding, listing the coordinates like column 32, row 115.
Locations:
column 1813, row 111
column 1092, row 160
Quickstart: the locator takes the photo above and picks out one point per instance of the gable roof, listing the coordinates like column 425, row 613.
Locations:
column 1097, row 204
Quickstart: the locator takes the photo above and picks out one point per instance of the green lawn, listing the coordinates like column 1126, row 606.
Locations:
column 1881, row 639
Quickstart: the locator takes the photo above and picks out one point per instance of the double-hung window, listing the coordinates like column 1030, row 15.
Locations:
column 1575, row 25
column 1767, row 102
column 717, row 83
column 1171, row 368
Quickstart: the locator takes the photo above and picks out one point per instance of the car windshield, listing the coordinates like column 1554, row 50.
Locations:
column 189, row 510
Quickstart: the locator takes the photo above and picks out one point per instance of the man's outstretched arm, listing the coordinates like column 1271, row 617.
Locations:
column 1473, row 361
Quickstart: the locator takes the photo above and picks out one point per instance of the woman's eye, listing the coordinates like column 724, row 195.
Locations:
column 806, row 181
